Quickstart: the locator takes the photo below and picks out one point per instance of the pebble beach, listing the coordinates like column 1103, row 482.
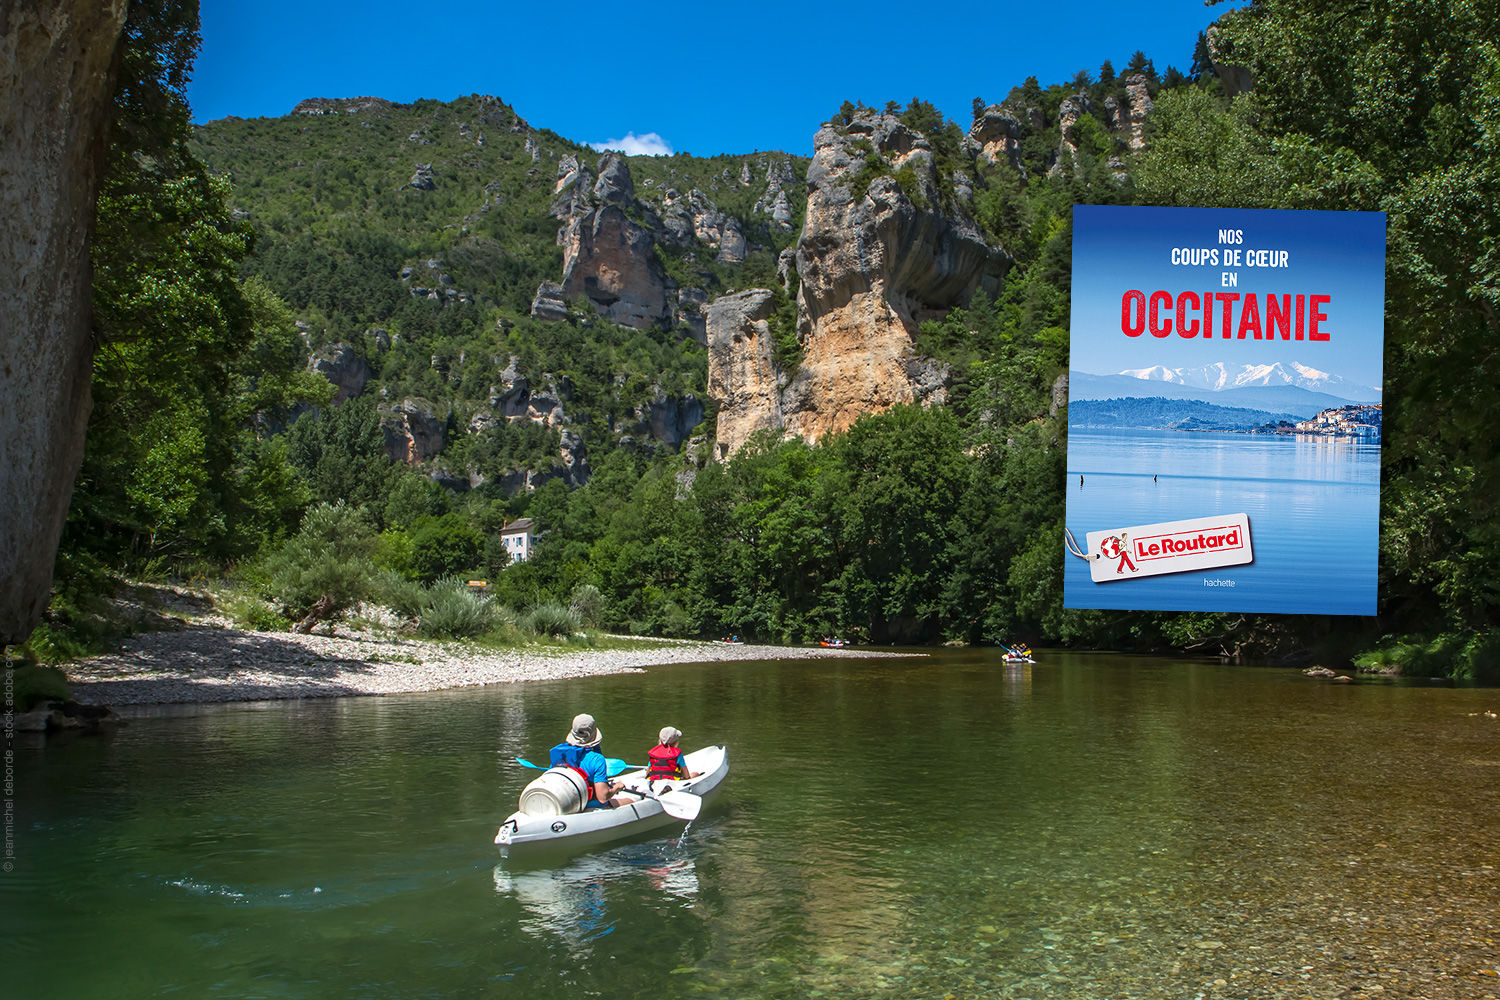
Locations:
column 210, row 662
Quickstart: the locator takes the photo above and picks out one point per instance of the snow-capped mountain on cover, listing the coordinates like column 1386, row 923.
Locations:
column 1219, row 377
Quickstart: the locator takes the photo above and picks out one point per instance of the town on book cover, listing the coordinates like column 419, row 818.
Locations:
column 1224, row 410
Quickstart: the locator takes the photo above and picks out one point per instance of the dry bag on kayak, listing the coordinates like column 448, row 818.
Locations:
column 556, row 790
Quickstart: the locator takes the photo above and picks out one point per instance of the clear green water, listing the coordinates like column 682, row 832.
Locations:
column 1091, row 827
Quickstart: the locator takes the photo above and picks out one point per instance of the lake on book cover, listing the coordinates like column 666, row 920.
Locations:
column 1313, row 502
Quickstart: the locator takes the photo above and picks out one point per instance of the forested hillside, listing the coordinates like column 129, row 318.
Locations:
column 400, row 326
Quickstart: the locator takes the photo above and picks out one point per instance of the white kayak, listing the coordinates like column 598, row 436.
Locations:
column 522, row 831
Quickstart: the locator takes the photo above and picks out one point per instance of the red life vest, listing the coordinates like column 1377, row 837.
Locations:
column 666, row 762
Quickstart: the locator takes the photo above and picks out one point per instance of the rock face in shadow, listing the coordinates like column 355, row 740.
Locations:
column 414, row 432
column 341, row 365
column 56, row 82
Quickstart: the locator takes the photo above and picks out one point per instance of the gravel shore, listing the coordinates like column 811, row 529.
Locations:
column 213, row 663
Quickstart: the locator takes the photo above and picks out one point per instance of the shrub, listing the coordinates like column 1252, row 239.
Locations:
column 552, row 619
column 675, row 622
column 906, row 180
column 250, row 612
column 53, row 642
column 325, row 569
column 1473, row 657
column 453, row 611
column 404, row 596
column 587, row 603
column 393, row 550
column 33, row 684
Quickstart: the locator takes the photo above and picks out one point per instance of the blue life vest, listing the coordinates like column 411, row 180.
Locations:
column 568, row 755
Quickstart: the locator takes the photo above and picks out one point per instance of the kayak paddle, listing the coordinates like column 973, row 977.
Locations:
column 678, row 805
column 617, row 766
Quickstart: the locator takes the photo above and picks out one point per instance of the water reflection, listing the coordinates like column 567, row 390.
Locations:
column 572, row 900
column 1016, row 682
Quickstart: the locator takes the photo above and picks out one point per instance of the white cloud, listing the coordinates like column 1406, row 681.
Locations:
column 649, row 144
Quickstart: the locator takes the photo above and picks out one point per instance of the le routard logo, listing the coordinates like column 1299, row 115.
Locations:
column 1170, row 547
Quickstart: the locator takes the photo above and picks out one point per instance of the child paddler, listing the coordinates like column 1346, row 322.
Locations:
column 666, row 760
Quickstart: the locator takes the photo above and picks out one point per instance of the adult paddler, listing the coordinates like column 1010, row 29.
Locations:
column 582, row 752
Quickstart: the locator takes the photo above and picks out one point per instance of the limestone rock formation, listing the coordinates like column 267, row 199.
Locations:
column 1068, row 113
column 516, row 398
column 575, row 460
column 610, row 261
column 608, row 258
column 341, row 105
column 1059, row 395
column 694, row 216
column 692, row 312
column 413, row 431
column 424, row 179
column 56, row 83
column 340, row 365
column 742, row 371
column 615, row 186
column 549, row 303
column 774, row 202
column 1138, row 101
column 998, row 135
column 667, row 420
column 872, row 265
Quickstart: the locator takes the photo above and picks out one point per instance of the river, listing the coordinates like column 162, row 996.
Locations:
column 1094, row 826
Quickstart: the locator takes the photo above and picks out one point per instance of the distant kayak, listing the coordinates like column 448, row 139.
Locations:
column 668, row 802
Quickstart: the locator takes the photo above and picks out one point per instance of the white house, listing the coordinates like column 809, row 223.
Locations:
column 517, row 537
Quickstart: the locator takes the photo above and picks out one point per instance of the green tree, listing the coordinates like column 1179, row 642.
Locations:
column 1395, row 108
column 193, row 366
column 340, row 452
column 894, row 487
column 443, row 546
column 413, row 497
column 325, row 569
column 169, row 315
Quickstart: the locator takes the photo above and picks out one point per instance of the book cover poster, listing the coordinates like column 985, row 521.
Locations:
column 1224, row 410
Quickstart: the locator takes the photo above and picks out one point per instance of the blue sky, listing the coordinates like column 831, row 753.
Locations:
column 702, row 78
column 1339, row 254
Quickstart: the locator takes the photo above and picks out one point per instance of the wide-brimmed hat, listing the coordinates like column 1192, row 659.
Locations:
column 585, row 732
column 669, row 736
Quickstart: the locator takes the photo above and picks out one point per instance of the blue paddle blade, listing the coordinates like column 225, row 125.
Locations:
column 617, row 765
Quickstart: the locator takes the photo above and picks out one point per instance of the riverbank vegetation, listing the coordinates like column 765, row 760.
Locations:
column 211, row 442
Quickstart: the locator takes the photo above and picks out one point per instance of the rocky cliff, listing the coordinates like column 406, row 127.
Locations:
column 56, row 81
column 887, row 241
column 609, row 259
column 743, row 375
